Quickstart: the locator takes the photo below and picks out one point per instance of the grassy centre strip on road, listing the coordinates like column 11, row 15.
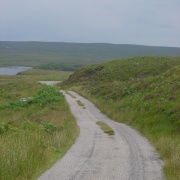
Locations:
column 105, row 128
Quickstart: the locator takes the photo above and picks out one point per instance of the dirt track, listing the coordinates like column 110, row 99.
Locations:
column 97, row 156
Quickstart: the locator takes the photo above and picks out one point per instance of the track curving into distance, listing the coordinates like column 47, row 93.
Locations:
column 97, row 156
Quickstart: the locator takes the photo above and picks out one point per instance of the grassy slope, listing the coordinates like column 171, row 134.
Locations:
column 70, row 56
column 33, row 135
column 142, row 92
column 25, row 84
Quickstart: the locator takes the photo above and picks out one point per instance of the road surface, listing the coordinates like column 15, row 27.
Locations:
column 97, row 156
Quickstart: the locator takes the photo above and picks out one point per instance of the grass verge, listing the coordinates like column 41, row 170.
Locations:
column 35, row 133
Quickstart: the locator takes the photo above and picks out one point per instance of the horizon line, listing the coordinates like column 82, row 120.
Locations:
column 87, row 43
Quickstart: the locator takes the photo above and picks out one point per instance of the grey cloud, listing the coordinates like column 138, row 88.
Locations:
column 152, row 22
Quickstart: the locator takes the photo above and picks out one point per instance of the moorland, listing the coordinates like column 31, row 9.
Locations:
column 72, row 56
column 141, row 91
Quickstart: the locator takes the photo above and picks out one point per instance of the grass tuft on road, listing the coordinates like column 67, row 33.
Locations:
column 79, row 103
column 105, row 128
column 70, row 94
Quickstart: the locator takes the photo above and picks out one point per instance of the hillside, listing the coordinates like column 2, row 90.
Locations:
column 142, row 92
column 72, row 56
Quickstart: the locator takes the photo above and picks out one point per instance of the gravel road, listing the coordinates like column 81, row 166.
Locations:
column 97, row 156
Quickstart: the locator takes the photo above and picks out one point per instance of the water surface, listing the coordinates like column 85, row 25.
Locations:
column 12, row 70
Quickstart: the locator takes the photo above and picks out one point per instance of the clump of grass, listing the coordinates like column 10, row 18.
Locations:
column 79, row 103
column 49, row 127
column 105, row 128
column 4, row 128
column 170, row 153
column 46, row 95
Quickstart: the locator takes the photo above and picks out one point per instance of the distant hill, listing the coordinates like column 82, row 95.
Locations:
column 71, row 56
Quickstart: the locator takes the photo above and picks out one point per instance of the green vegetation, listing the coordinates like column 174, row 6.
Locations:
column 70, row 94
column 79, row 103
column 142, row 92
column 25, row 84
column 105, row 128
column 72, row 56
column 60, row 66
column 34, row 133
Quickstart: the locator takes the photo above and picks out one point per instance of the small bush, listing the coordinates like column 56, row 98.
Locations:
column 44, row 96
column 4, row 128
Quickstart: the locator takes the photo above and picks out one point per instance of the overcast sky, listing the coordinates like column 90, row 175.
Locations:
column 153, row 22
